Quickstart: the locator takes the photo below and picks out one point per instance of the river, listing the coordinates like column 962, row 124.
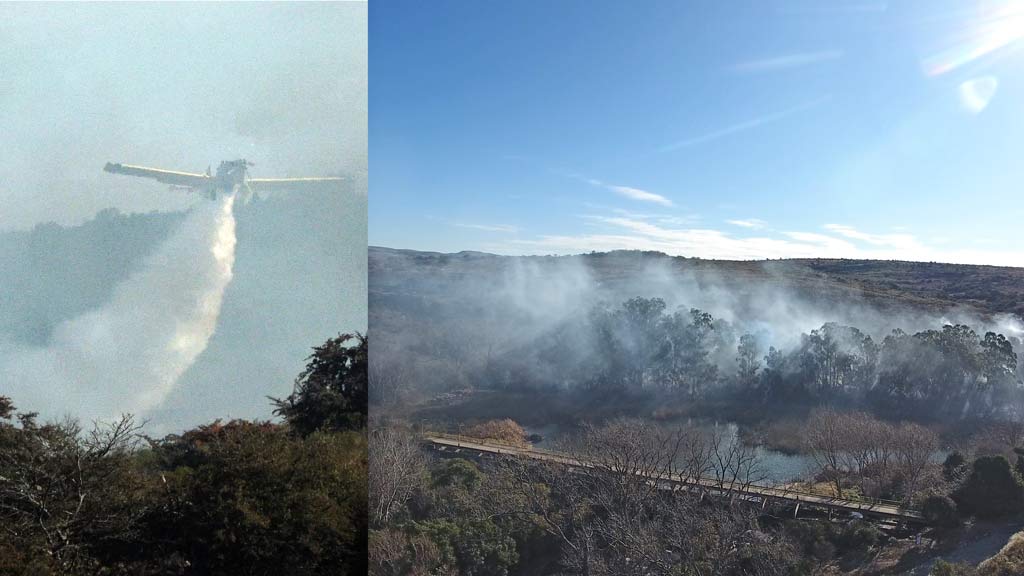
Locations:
column 778, row 467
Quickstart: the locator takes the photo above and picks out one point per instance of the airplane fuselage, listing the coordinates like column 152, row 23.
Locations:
column 230, row 175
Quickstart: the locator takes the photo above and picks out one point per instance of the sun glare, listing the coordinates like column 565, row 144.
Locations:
column 995, row 26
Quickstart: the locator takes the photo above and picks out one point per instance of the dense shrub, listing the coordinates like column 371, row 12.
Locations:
column 332, row 392
column 255, row 498
column 252, row 498
column 857, row 536
column 991, row 490
column 940, row 511
column 954, row 466
column 826, row 540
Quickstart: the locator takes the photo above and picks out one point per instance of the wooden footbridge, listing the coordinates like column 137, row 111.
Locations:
column 767, row 495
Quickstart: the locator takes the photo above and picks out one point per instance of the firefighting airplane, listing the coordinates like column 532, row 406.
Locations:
column 231, row 177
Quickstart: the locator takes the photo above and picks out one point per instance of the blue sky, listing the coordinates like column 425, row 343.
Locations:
column 757, row 129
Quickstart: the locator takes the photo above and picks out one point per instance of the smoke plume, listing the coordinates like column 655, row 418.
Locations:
column 127, row 355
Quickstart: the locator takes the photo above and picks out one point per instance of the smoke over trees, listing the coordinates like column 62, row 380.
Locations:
column 639, row 323
column 641, row 346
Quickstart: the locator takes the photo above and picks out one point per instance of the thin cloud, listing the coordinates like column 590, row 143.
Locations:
column 744, row 126
column 748, row 223
column 899, row 241
column 839, row 241
column 787, row 61
column 641, row 195
column 631, row 193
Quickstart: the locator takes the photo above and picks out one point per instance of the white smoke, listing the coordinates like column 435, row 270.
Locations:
column 126, row 356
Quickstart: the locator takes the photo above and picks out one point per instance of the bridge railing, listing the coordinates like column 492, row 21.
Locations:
column 764, row 489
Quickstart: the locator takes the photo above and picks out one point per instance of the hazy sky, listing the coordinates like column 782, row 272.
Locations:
column 746, row 129
column 201, row 329
column 180, row 86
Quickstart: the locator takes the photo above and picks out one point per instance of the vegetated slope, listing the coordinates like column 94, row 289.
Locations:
column 990, row 289
column 402, row 277
column 52, row 273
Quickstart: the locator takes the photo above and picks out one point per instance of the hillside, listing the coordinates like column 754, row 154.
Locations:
column 931, row 287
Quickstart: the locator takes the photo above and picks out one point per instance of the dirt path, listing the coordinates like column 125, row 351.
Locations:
column 974, row 544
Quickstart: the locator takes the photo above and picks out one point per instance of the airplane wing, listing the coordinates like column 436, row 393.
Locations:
column 188, row 179
column 274, row 184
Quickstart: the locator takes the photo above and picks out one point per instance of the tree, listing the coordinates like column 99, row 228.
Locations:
column 393, row 553
column 913, row 448
column 991, row 490
column 940, row 511
column 397, row 469
column 609, row 518
column 331, row 393
column 67, row 495
column 733, row 462
column 389, row 378
column 253, row 498
column 747, row 362
column 827, row 441
column 954, row 467
column 685, row 364
column 638, row 323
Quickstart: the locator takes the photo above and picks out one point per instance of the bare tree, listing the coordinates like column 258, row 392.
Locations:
column 557, row 499
column 393, row 553
column 869, row 450
column 617, row 508
column 914, row 447
column 880, row 456
column 633, row 462
column 397, row 467
column 827, row 442
column 389, row 378
column 735, row 465
column 1000, row 437
column 65, row 487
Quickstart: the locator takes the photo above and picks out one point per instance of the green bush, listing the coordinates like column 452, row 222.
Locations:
column 940, row 511
column 457, row 472
column 476, row 547
column 250, row 498
column 991, row 490
column 826, row 540
column 943, row 568
column 953, row 466
column 856, row 537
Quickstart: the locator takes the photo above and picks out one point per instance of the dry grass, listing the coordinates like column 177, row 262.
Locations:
column 506, row 431
column 786, row 436
column 1008, row 562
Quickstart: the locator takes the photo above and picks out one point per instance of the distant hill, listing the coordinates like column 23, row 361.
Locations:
column 923, row 286
column 52, row 273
